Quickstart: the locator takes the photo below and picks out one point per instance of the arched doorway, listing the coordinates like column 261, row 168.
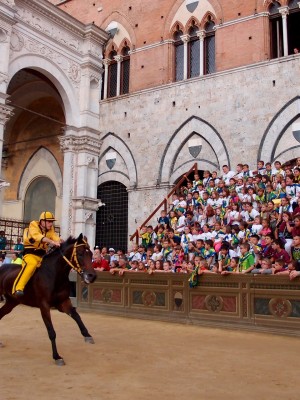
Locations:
column 112, row 217
column 40, row 196
column 39, row 116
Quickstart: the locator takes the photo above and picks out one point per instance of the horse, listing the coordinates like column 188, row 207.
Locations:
column 49, row 287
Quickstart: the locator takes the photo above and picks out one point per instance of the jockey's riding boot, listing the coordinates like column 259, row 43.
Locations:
column 19, row 293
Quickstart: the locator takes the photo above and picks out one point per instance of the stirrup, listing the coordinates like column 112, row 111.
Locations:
column 19, row 293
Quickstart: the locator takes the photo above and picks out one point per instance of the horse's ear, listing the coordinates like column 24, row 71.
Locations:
column 80, row 237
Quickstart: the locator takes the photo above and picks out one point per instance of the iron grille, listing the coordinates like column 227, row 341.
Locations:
column 112, row 219
column 210, row 54
column 125, row 73
column 112, row 79
column 179, row 62
column 194, row 58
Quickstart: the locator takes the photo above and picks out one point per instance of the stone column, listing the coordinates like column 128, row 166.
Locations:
column 201, row 36
column 81, row 149
column 5, row 114
column 185, row 39
column 106, row 64
column 284, row 11
column 118, row 59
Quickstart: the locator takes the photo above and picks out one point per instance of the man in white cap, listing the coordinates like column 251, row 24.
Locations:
column 112, row 255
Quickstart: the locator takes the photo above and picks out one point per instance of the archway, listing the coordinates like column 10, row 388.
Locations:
column 112, row 216
column 32, row 132
column 278, row 141
column 175, row 162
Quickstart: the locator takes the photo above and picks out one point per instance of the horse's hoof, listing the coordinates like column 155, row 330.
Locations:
column 89, row 339
column 60, row 362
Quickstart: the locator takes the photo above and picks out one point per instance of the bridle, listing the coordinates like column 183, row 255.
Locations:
column 74, row 259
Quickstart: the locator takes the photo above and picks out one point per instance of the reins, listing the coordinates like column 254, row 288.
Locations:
column 77, row 266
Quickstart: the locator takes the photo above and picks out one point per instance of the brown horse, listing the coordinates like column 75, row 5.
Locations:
column 50, row 286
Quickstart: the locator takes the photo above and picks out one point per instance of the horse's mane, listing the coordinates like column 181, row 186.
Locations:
column 71, row 240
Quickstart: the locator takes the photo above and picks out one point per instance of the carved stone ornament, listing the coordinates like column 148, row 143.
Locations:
column 71, row 68
column 49, row 27
column 3, row 78
column 74, row 72
column 16, row 41
column 79, row 144
column 3, row 36
column 5, row 113
column 9, row 2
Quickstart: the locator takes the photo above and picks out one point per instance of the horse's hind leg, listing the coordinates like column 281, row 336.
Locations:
column 7, row 307
column 45, row 311
column 66, row 307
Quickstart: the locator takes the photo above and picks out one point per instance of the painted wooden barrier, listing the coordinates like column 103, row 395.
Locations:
column 264, row 303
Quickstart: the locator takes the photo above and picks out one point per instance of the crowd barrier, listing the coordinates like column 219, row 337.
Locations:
column 262, row 303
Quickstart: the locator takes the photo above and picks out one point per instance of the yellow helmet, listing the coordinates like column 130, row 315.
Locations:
column 47, row 216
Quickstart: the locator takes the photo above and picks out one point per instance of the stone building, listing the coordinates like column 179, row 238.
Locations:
column 136, row 93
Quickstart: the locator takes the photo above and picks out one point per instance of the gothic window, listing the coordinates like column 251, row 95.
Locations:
column 209, row 47
column 112, row 76
column 179, row 55
column 276, row 34
column 293, row 23
column 193, row 53
column 125, row 71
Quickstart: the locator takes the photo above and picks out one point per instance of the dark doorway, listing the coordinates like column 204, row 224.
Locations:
column 112, row 219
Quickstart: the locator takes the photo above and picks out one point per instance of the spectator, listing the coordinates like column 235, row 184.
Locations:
column 15, row 258
column 246, row 261
column 3, row 241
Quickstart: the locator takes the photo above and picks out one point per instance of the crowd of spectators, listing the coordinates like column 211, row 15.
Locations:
column 243, row 221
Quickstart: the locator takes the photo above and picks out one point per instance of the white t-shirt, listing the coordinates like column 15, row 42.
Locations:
column 256, row 229
column 226, row 177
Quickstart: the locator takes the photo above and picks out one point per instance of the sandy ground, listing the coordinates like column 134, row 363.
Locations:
column 136, row 359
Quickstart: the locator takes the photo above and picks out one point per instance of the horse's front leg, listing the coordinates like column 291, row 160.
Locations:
column 45, row 311
column 7, row 307
column 67, row 307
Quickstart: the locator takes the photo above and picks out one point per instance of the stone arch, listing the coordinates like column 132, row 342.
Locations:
column 109, row 48
column 125, row 43
column 205, row 19
column 122, row 19
column 189, row 24
column 193, row 125
column 281, row 121
column 61, row 81
column 174, row 28
column 42, row 163
column 112, row 142
column 166, row 27
column 265, row 4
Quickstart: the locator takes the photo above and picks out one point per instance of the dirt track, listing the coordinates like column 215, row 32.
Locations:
column 137, row 360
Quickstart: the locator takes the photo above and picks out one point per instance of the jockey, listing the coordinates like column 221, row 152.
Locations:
column 37, row 237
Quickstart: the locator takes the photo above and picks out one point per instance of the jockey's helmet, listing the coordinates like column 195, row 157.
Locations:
column 47, row 216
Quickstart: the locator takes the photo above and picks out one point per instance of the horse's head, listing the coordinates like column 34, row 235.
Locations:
column 81, row 260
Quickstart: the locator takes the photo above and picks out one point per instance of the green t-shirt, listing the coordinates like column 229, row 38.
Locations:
column 246, row 261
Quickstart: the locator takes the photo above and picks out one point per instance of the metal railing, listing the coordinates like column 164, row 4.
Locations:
column 164, row 203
